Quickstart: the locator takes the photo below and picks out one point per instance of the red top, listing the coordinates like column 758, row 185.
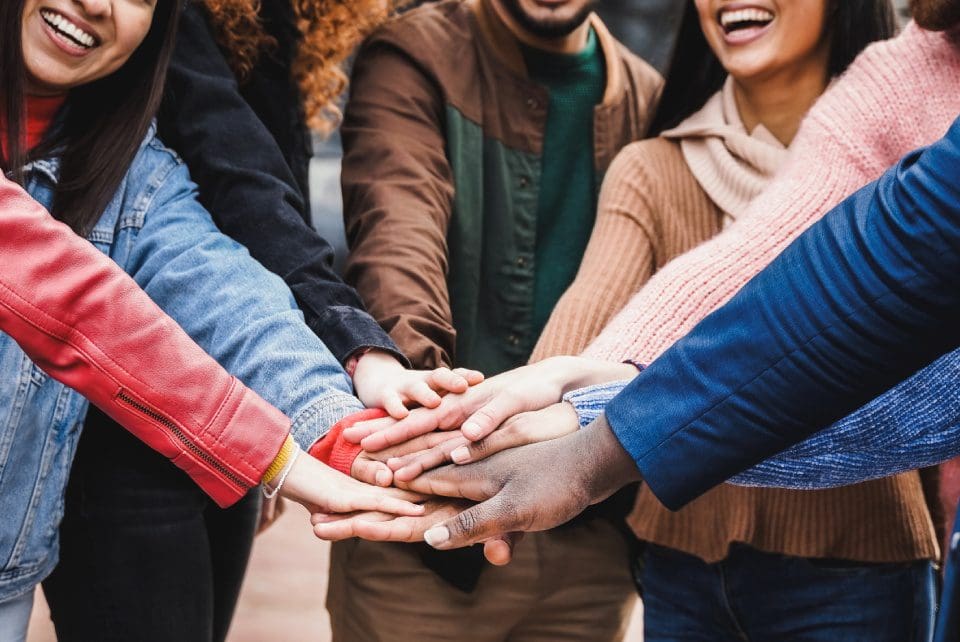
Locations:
column 40, row 111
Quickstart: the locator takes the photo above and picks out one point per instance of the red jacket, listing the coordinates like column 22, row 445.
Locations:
column 81, row 319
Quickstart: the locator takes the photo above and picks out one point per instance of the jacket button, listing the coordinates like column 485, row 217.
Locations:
column 521, row 262
column 513, row 340
column 524, row 182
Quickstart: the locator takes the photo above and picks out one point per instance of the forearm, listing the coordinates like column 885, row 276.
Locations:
column 872, row 296
column 913, row 425
column 60, row 299
column 398, row 198
column 618, row 260
column 251, row 192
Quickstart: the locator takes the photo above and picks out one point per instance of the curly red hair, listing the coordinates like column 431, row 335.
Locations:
column 330, row 30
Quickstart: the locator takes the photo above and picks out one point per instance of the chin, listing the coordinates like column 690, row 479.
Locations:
column 936, row 15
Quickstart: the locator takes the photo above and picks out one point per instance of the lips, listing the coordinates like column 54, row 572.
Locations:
column 68, row 31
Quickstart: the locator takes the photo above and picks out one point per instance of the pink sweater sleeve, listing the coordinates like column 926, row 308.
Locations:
column 897, row 96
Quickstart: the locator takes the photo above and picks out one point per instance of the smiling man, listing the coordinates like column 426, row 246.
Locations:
column 475, row 139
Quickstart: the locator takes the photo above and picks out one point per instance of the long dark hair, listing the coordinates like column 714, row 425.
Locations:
column 695, row 74
column 101, row 125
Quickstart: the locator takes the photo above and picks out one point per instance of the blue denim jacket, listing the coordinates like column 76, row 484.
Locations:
column 241, row 314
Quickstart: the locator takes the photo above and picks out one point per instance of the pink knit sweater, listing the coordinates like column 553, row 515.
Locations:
column 898, row 95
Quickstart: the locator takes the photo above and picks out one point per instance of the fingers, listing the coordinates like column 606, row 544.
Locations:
column 488, row 417
column 423, row 393
column 371, row 472
column 416, row 424
column 473, row 482
column 393, row 404
column 412, row 466
column 355, row 433
column 446, row 380
column 499, row 550
column 472, row 377
column 481, row 522
column 379, row 526
column 386, row 500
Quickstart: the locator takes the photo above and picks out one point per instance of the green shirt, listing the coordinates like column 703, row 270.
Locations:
column 567, row 202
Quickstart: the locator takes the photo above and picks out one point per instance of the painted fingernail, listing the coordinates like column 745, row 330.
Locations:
column 436, row 536
column 460, row 455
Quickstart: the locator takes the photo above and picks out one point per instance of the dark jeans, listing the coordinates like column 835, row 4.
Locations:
column 761, row 597
column 144, row 554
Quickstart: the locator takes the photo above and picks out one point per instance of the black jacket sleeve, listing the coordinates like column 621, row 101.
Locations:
column 861, row 300
column 250, row 190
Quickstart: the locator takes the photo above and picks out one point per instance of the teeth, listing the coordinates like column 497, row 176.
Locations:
column 64, row 26
column 728, row 18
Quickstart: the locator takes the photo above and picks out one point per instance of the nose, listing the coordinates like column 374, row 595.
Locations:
column 95, row 8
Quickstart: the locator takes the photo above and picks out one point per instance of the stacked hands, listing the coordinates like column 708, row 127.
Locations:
column 477, row 460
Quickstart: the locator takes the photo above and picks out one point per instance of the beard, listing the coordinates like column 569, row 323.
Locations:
column 547, row 27
column 935, row 15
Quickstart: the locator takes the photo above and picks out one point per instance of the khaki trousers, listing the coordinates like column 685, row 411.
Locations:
column 570, row 584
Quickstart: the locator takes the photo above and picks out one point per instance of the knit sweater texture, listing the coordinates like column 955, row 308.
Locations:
column 652, row 209
column 898, row 95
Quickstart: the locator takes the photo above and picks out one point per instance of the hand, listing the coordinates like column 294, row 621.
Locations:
column 371, row 468
column 533, row 488
column 382, row 382
column 270, row 511
column 322, row 489
column 482, row 408
column 526, row 428
column 381, row 527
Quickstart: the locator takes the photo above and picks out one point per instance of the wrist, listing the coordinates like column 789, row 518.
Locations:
column 609, row 467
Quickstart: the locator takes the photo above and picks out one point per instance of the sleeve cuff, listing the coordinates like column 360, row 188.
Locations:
column 336, row 452
column 589, row 402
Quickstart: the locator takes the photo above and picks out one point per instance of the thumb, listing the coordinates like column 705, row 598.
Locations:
column 478, row 523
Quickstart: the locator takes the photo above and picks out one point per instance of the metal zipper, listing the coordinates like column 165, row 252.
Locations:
column 179, row 434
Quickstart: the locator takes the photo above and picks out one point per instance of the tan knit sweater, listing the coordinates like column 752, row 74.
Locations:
column 651, row 210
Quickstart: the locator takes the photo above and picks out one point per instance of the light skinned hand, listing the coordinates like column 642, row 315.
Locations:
column 383, row 527
column 482, row 408
column 322, row 489
column 520, row 430
column 371, row 468
column 382, row 382
column 531, row 488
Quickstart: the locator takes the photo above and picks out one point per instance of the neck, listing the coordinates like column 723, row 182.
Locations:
column 780, row 102
column 573, row 42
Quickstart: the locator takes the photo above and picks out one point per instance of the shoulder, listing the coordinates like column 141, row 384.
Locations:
column 650, row 181
column 427, row 29
column 657, row 163
column 154, row 167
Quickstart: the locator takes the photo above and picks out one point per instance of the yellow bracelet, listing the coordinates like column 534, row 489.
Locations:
column 281, row 460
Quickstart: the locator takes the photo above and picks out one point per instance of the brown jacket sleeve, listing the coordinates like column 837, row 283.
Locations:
column 397, row 197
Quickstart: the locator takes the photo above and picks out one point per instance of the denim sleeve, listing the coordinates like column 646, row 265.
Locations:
column 913, row 425
column 236, row 310
column 859, row 302
column 249, row 189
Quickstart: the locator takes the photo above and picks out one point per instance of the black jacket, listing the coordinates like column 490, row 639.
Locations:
column 248, row 149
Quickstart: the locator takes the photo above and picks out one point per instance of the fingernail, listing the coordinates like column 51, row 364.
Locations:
column 460, row 455
column 470, row 430
column 383, row 478
column 436, row 536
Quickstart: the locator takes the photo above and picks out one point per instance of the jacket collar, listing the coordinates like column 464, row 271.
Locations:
column 504, row 47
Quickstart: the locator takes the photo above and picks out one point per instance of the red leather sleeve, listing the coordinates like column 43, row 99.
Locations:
column 85, row 322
